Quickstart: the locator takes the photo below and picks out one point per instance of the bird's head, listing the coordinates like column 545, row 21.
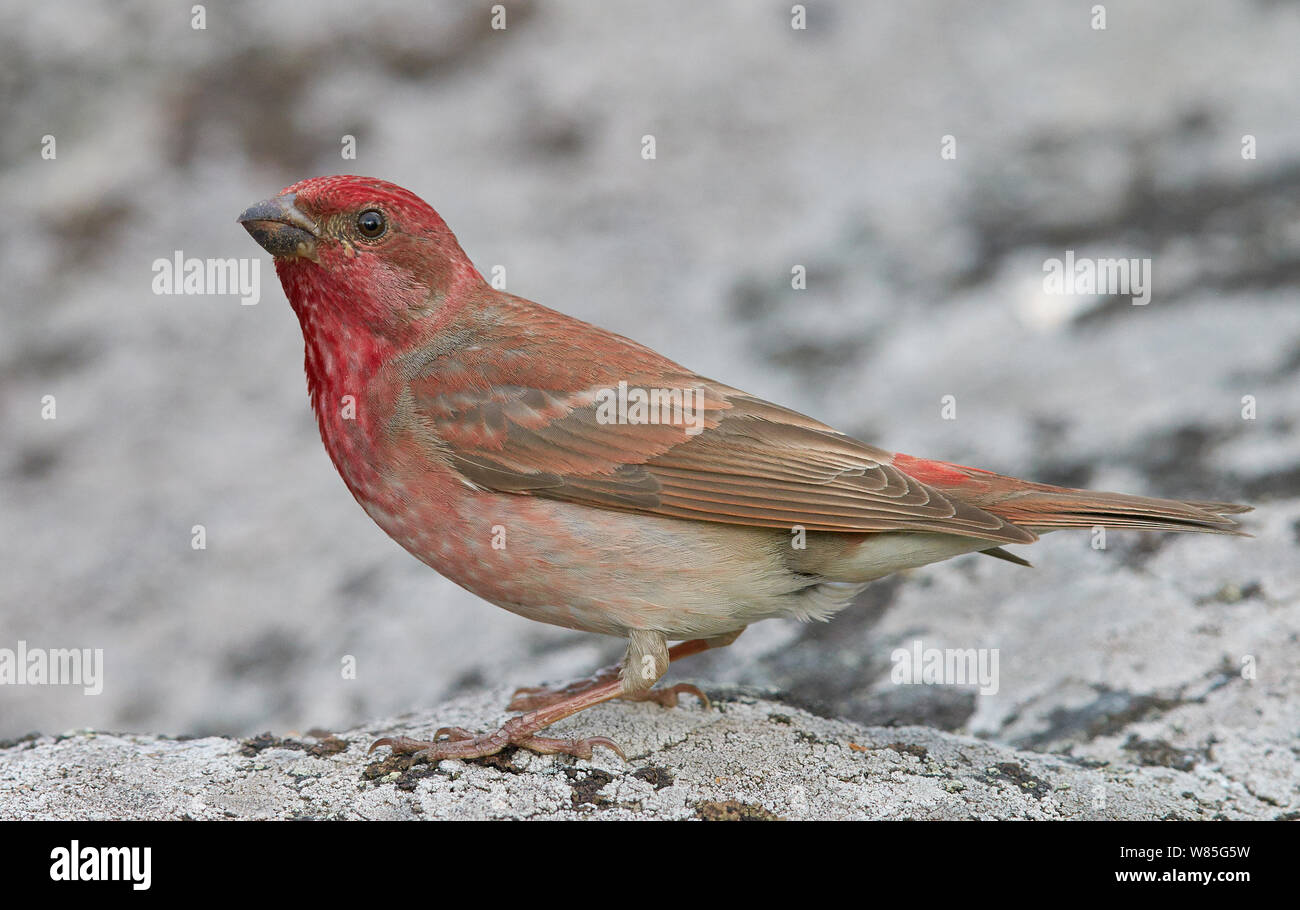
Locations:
column 359, row 251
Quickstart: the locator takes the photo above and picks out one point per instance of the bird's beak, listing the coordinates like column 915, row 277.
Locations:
column 281, row 228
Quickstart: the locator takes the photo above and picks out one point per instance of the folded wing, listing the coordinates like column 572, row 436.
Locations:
column 552, row 432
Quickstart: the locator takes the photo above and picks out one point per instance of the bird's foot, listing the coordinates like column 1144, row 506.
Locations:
column 668, row 697
column 518, row 731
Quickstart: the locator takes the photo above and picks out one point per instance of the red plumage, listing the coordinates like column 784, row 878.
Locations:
column 461, row 417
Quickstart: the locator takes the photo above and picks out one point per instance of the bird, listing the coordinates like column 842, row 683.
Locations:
column 575, row 477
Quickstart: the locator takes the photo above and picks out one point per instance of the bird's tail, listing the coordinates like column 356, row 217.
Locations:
column 1047, row 508
column 1042, row 507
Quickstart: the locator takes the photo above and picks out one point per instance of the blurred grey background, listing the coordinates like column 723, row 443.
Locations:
column 775, row 147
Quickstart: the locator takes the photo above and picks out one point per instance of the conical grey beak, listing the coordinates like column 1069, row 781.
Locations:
column 281, row 228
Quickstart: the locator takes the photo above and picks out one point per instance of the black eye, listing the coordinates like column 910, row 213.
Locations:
column 372, row 224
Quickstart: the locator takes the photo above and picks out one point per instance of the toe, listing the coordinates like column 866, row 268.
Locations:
column 578, row 748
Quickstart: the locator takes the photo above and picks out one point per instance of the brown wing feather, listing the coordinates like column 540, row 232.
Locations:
column 755, row 463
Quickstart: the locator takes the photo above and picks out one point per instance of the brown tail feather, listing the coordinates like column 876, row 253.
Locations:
column 1230, row 508
column 1058, row 507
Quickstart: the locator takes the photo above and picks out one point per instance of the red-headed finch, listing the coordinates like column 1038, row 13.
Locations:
column 575, row 477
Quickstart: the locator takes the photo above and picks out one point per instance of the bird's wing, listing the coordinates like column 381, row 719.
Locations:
column 538, row 414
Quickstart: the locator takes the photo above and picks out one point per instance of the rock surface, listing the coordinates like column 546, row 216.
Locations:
column 746, row 758
column 1172, row 659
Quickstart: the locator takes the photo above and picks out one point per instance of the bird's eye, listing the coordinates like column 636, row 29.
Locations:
column 371, row 224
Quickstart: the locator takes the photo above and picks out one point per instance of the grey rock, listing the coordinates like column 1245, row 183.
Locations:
column 1171, row 659
column 746, row 757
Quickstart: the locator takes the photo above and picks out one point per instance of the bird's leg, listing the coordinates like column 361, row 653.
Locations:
column 646, row 661
column 531, row 698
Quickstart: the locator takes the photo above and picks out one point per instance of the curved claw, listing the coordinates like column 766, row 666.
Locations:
column 578, row 748
column 669, row 697
column 401, row 745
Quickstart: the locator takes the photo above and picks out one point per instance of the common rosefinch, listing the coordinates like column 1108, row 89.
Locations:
column 575, row 477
